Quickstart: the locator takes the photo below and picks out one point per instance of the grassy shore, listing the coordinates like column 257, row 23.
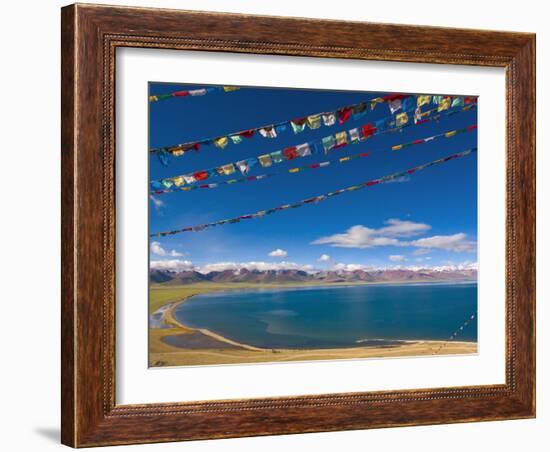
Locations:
column 220, row 350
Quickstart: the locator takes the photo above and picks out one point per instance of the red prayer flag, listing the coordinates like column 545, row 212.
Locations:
column 469, row 100
column 418, row 142
column 372, row 182
column 200, row 175
column 364, row 154
column 247, row 133
column 290, row 153
column 344, row 114
column 367, row 130
column 472, row 127
column 180, row 93
column 315, row 165
column 392, row 97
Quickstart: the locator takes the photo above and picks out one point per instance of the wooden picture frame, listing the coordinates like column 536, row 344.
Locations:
column 90, row 36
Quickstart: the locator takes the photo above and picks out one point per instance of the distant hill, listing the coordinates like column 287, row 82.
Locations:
column 243, row 275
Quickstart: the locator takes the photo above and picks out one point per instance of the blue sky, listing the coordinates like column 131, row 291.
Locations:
column 430, row 219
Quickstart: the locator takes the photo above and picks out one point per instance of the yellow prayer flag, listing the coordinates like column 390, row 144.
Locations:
column 221, row 142
column 423, row 100
column 397, row 147
column 445, row 104
column 230, row 88
column 293, row 170
column 401, row 119
column 452, row 133
column 178, row 180
column 344, row 159
column 153, row 98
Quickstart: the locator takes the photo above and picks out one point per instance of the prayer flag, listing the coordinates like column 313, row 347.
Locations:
column 247, row 134
column 437, row 99
column 314, row 121
column 268, row 132
column 457, row 102
column 167, row 183
column 359, row 110
column 163, row 156
column 367, row 130
column 180, row 93
column 303, row 150
column 290, row 153
column 228, row 169
column 328, row 143
column 197, row 92
column 423, row 100
column 189, row 179
column 236, row 139
column 280, row 128
column 341, row 139
column 354, row 135
column 298, row 125
column 221, row 142
column 200, row 175
column 329, row 119
column 344, row 114
column 417, row 115
column 444, row 104
column 243, row 166
column 277, row 156
column 265, row 160
column 178, row 180
column 408, row 103
column 401, row 119
column 394, row 105
column 228, row 89
column 153, row 98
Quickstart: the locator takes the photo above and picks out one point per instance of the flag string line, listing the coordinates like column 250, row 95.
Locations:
column 177, row 150
column 317, row 165
column 453, row 336
column 192, row 92
column 319, row 198
column 335, row 141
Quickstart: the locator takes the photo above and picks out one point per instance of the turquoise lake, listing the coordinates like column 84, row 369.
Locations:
column 333, row 317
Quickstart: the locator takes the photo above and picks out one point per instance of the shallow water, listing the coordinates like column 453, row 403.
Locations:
column 332, row 317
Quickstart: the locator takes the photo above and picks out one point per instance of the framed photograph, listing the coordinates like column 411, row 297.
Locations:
column 277, row 225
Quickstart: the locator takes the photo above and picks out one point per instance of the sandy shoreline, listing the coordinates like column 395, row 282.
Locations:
column 206, row 347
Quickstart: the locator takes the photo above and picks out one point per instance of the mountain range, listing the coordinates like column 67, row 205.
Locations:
column 243, row 275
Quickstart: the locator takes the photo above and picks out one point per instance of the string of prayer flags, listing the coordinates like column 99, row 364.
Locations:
column 192, row 92
column 326, row 145
column 305, row 150
column 319, row 198
column 458, row 331
column 328, row 119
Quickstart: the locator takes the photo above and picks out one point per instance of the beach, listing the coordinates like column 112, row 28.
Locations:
column 172, row 343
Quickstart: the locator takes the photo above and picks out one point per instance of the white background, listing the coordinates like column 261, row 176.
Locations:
column 30, row 266
column 137, row 384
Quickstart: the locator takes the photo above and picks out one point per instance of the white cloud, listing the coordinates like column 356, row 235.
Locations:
column 158, row 250
column 261, row 266
column 359, row 236
column 356, row 237
column 350, row 267
column 323, row 258
column 400, row 228
column 397, row 258
column 454, row 242
column 158, row 203
column 176, row 265
column 278, row 253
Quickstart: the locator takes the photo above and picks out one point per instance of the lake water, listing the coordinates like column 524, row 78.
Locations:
column 332, row 317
